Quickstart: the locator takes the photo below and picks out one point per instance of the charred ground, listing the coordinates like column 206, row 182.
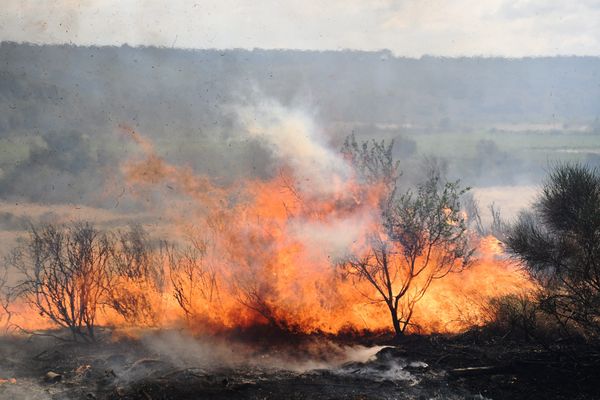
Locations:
column 266, row 364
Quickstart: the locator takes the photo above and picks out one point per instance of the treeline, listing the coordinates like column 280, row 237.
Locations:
column 159, row 87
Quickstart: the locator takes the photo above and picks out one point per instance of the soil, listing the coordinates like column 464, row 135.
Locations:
column 175, row 366
column 498, row 368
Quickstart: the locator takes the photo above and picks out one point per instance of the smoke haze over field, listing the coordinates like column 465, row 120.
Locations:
column 492, row 121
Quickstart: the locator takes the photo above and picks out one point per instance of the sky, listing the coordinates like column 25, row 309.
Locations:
column 406, row 27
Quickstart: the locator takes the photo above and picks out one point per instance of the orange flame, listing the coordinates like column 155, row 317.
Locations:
column 269, row 250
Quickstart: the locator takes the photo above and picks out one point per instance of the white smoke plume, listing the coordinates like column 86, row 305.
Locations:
column 298, row 142
column 319, row 170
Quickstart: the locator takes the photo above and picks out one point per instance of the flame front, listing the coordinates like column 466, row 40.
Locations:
column 265, row 252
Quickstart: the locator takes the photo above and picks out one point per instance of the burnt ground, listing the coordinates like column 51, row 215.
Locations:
column 172, row 365
column 499, row 368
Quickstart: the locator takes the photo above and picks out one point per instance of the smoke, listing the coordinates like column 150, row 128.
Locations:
column 264, row 180
column 298, row 142
column 210, row 353
column 318, row 171
column 333, row 237
column 57, row 124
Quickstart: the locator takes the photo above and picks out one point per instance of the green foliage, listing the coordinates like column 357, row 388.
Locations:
column 423, row 233
column 559, row 243
column 373, row 161
column 430, row 217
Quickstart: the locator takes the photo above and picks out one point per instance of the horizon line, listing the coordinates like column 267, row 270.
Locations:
column 382, row 52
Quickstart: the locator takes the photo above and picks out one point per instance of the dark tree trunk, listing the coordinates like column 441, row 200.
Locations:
column 396, row 322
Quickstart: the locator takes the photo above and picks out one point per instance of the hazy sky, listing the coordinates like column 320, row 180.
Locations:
column 407, row 27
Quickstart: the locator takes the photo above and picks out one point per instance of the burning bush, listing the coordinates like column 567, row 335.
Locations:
column 70, row 273
column 422, row 237
column 265, row 252
column 138, row 277
column 193, row 281
column 66, row 275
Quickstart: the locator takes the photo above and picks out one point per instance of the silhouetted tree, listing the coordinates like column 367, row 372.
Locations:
column 65, row 275
column 422, row 237
column 139, row 277
column 192, row 278
column 559, row 243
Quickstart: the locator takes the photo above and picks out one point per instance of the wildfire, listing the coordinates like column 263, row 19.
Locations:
column 274, row 247
column 266, row 251
column 459, row 300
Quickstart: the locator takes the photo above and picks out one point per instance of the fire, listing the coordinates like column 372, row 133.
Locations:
column 265, row 253
column 459, row 300
column 274, row 246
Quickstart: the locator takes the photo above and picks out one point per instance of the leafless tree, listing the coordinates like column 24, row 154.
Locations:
column 474, row 221
column 192, row 277
column 256, row 294
column 138, row 277
column 248, row 250
column 497, row 227
column 5, row 297
column 65, row 275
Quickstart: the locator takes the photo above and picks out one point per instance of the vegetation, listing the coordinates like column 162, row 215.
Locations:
column 70, row 273
column 5, row 297
column 65, row 275
column 191, row 277
column 423, row 234
column 559, row 243
column 139, row 277
column 489, row 116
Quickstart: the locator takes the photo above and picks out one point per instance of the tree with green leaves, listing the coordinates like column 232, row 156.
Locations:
column 422, row 235
column 558, row 241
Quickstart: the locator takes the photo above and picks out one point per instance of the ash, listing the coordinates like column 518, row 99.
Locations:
column 173, row 365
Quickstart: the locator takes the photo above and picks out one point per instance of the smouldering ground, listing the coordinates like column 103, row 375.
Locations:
column 163, row 365
column 171, row 365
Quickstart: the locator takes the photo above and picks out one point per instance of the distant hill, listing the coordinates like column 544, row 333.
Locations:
column 185, row 88
column 60, row 105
